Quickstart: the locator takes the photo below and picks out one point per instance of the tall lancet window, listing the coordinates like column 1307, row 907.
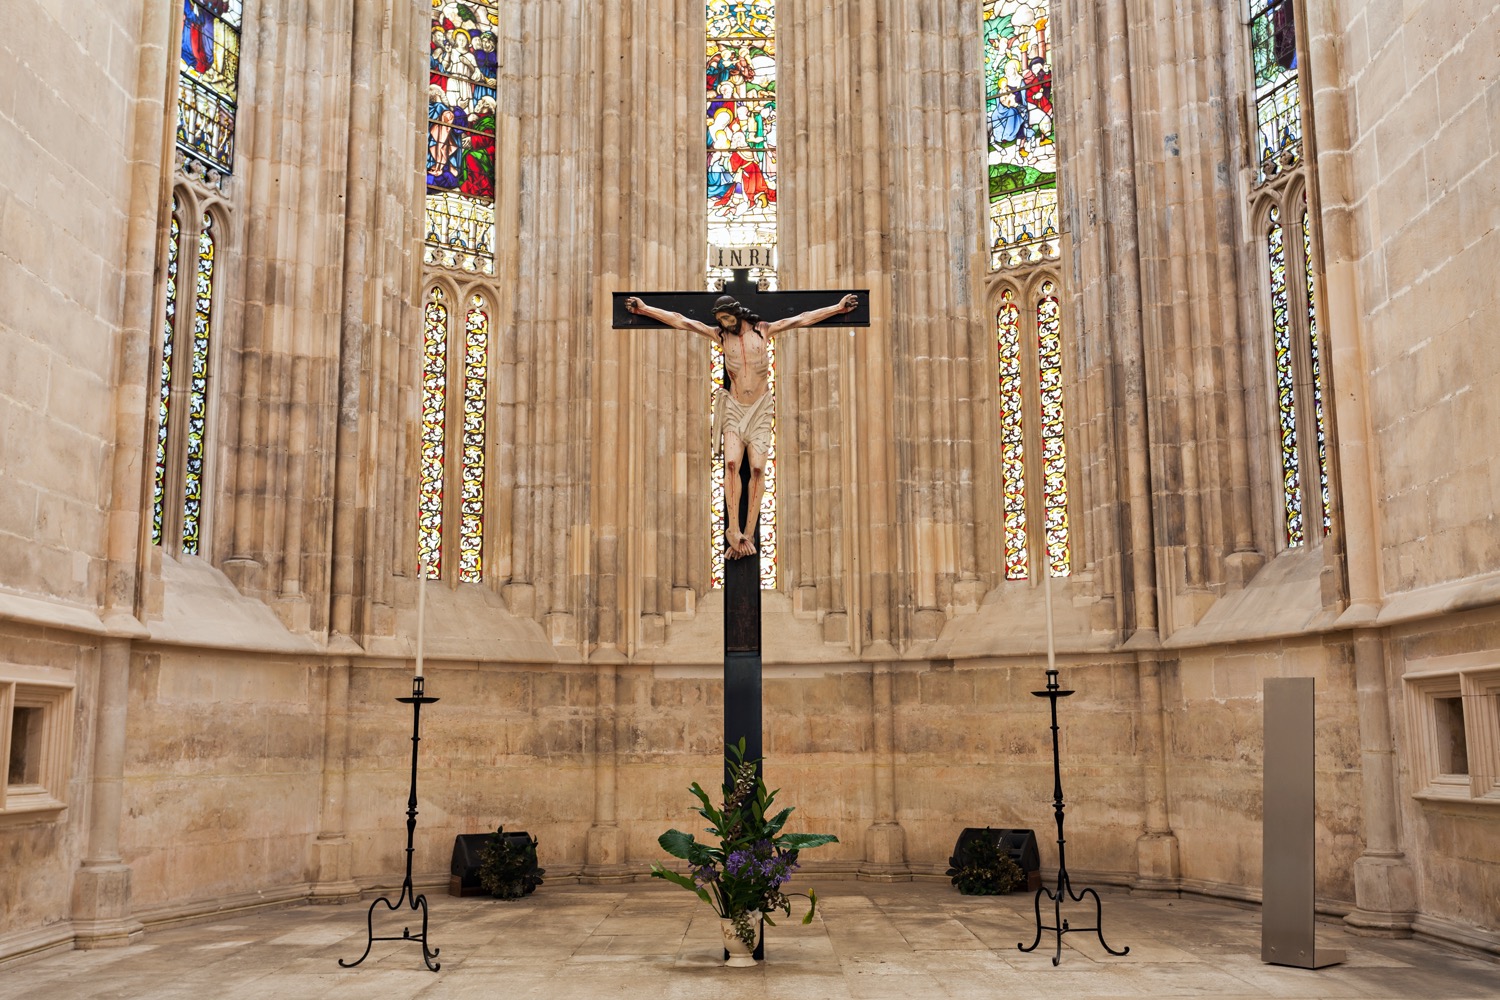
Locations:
column 1280, row 198
column 192, row 276
column 208, row 82
column 182, row 371
column 463, row 68
column 460, row 309
column 741, row 138
column 1024, row 290
column 1022, row 155
column 451, row 454
column 192, row 272
column 1033, row 448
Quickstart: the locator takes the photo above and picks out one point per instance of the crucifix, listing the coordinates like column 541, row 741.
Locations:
column 743, row 320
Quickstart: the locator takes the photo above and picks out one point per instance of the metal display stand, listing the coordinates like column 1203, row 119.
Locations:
column 408, row 894
column 1064, row 884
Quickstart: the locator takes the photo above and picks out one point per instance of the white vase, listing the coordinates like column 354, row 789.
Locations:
column 740, row 954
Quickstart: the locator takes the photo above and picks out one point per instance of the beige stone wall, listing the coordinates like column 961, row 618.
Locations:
column 65, row 199
column 1419, row 112
column 222, row 774
column 1215, row 725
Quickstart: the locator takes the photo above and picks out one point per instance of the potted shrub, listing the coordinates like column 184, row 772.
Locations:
column 507, row 865
column 742, row 869
column 981, row 868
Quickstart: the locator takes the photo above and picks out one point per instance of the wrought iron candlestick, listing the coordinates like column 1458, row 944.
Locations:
column 408, row 894
column 1064, row 884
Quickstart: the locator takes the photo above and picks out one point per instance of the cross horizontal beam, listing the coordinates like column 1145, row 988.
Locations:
column 770, row 306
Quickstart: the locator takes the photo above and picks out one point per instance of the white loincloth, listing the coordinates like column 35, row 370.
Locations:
column 752, row 423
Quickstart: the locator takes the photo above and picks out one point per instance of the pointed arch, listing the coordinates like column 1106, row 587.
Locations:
column 192, row 297
column 1012, row 398
column 1053, row 459
column 1031, row 423
column 476, row 367
column 432, row 461
column 199, row 343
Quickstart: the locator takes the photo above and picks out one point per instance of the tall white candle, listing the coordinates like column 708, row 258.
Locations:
column 1047, row 588
column 422, row 611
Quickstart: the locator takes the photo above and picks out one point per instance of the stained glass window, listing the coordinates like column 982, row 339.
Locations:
column 1019, row 121
column 208, row 83
column 1278, row 100
column 740, row 125
column 476, row 380
column 197, row 394
column 1286, row 391
column 434, row 433
column 463, row 72
column 1316, row 363
column 164, row 377
column 1012, row 435
column 1054, row 448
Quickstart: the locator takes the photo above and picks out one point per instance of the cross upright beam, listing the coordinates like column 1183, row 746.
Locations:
column 742, row 637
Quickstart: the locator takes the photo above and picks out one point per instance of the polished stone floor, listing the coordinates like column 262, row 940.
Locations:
column 655, row 942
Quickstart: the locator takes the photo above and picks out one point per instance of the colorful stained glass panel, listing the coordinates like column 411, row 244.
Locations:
column 1316, row 361
column 434, row 433
column 197, row 394
column 1012, row 435
column 463, row 74
column 208, row 84
column 1054, row 446
column 476, row 384
column 1286, row 392
column 1278, row 99
column 740, row 124
column 1019, row 115
column 164, row 378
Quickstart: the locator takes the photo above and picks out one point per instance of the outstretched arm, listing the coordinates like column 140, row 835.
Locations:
column 676, row 321
column 813, row 316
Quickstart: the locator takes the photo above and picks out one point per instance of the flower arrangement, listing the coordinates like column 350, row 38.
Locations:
column 742, row 871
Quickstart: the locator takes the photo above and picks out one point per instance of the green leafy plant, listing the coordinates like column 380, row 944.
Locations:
column 507, row 865
column 981, row 868
column 743, row 867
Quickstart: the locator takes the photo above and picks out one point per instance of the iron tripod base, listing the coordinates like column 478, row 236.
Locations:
column 408, row 895
column 1061, row 926
column 417, row 903
column 1064, row 884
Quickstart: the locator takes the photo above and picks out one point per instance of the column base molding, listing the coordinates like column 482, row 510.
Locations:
column 1158, row 866
column 1385, row 895
column 333, row 881
column 885, row 854
column 101, row 907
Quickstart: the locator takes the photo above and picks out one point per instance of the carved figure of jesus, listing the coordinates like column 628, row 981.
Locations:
column 743, row 414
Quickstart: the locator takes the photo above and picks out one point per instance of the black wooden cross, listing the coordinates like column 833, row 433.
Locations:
column 742, row 662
